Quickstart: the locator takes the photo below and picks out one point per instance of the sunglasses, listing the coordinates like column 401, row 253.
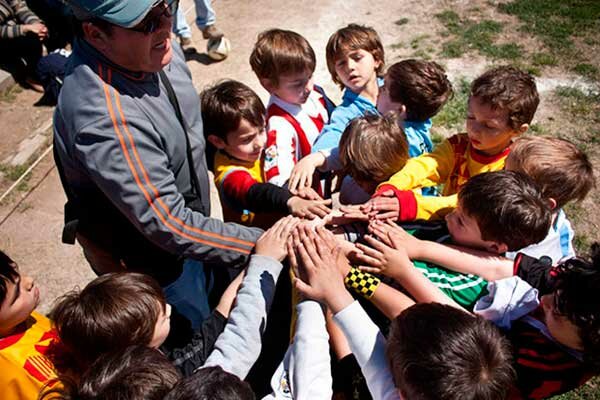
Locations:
column 152, row 20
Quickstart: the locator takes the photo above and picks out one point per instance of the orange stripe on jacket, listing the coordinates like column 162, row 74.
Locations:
column 149, row 199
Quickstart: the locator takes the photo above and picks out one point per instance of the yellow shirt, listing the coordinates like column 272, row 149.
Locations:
column 451, row 163
column 23, row 363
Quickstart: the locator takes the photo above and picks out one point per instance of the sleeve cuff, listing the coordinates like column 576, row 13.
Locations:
column 406, row 198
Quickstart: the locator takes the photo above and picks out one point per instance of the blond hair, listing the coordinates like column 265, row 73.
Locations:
column 373, row 148
column 562, row 170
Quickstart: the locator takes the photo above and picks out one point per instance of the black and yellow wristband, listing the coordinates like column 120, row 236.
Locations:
column 362, row 283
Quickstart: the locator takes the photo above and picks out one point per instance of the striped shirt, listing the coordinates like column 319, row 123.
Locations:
column 13, row 15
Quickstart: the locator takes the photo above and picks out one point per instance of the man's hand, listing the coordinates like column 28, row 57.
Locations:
column 387, row 230
column 383, row 259
column 303, row 171
column 37, row 28
column 385, row 206
column 319, row 278
column 310, row 209
column 272, row 242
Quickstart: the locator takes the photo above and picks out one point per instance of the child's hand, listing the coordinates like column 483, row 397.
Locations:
column 272, row 242
column 383, row 259
column 303, row 171
column 351, row 213
column 387, row 230
column 310, row 209
column 385, row 206
column 308, row 193
column 318, row 277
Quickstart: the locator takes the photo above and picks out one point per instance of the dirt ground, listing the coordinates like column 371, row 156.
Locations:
column 31, row 233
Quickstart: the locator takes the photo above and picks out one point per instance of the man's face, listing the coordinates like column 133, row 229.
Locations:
column 22, row 296
column 139, row 51
column 488, row 129
column 464, row 231
column 293, row 88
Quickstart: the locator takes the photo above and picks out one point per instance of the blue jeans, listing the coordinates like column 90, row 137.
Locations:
column 189, row 293
column 205, row 16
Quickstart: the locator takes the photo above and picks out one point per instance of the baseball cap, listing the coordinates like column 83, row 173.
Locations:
column 124, row 13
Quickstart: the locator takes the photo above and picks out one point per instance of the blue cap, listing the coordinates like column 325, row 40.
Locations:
column 124, row 13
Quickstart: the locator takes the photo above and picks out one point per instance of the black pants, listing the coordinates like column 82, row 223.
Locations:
column 20, row 56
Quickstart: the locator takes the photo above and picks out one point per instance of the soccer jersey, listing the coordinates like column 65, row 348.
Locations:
column 23, row 362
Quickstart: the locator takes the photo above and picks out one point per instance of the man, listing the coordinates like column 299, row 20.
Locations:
column 131, row 155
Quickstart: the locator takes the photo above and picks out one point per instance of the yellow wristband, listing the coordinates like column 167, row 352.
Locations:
column 362, row 283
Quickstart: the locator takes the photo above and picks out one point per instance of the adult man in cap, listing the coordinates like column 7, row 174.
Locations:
column 130, row 150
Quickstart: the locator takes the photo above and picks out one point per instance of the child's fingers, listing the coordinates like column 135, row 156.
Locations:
column 372, row 270
column 288, row 226
column 305, row 259
column 363, row 258
column 392, row 215
column 370, row 251
column 304, row 289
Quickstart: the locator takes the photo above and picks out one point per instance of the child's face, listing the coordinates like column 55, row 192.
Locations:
column 560, row 327
column 294, row 88
column 464, row 231
column 162, row 327
column 488, row 129
column 356, row 69
column 385, row 104
column 246, row 143
column 22, row 297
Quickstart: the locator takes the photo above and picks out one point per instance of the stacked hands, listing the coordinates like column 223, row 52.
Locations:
column 306, row 203
column 36, row 28
column 320, row 260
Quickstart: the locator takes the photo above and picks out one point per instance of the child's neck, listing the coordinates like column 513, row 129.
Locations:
column 371, row 90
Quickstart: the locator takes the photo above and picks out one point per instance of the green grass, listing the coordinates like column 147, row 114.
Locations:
column 587, row 70
column 453, row 114
column 466, row 35
column 578, row 103
column 10, row 94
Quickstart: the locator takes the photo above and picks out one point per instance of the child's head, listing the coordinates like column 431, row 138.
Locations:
column 211, row 383
column 416, row 89
column 372, row 149
column 355, row 56
column 135, row 373
column 563, row 172
column 500, row 211
column 440, row 352
column 572, row 310
column 18, row 296
column 284, row 63
column 501, row 106
column 234, row 120
column 112, row 312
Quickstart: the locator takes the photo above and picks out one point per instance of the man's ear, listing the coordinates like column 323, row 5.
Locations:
column 216, row 141
column 498, row 248
column 96, row 36
column 267, row 84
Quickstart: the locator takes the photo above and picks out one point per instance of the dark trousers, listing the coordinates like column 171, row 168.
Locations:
column 20, row 56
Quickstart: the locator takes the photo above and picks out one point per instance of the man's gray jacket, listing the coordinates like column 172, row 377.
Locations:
column 122, row 154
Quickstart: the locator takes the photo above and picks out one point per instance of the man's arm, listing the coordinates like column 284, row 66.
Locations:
column 127, row 160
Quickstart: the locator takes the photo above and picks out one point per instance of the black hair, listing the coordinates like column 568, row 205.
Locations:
column 211, row 383
column 8, row 273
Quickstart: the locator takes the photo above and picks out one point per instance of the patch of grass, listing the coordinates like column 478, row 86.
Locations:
column 544, row 59
column 401, row 21
column 9, row 95
column 416, row 41
column 396, row 46
column 537, row 129
column 578, row 103
column 453, row 114
column 467, row 35
column 436, row 138
column 11, row 172
column 424, row 54
column 587, row 70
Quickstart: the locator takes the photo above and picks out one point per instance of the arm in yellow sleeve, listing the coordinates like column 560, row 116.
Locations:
column 428, row 169
column 432, row 208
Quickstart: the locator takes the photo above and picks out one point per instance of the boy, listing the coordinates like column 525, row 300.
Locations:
column 433, row 351
column 501, row 106
column 555, row 336
column 416, row 90
column 233, row 117
column 564, row 174
column 372, row 148
column 24, row 336
column 355, row 60
column 284, row 63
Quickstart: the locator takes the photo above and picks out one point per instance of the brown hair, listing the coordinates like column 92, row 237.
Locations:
column 508, row 206
column 225, row 104
column 563, row 172
column 112, row 312
column 353, row 37
column 440, row 352
column 373, row 148
column 511, row 89
column 421, row 86
column 278, row 52
column 135, row 373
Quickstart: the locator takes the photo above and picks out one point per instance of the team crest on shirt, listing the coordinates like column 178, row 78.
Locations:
column 270, row 157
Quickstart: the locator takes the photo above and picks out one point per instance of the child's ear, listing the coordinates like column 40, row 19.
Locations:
column 552, row 203
column 523, row 128
column 498, row 248
column 267, row 84
column 402, row 112
column 216, row 141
